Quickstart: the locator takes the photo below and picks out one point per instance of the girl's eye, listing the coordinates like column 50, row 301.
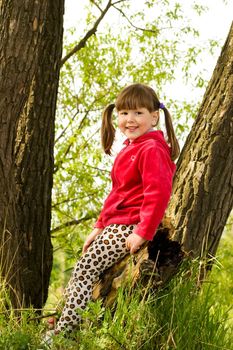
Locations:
column 138, row 112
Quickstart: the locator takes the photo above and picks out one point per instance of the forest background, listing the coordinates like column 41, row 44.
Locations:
column 166, row 50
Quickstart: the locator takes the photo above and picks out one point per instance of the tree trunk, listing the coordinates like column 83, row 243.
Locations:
column 30, row 53
column 203, row 185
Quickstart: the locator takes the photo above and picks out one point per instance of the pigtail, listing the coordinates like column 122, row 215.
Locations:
column 107, row 129
column 175, row 148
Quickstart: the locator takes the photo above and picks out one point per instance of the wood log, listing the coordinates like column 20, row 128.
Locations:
column 155, row 263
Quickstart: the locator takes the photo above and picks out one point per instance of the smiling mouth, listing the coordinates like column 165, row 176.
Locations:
column 131, row 128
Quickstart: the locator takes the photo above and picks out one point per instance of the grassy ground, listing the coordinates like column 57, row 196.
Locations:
column 181, row 316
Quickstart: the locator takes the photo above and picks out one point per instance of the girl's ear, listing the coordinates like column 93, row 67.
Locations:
column 155, row 116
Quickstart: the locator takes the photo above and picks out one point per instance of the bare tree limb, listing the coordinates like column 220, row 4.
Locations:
column 91, row 32
column 68, row 200
column 64, row 130
column 58, row 165
column 61, row 161
column 117, row 2
column 135, row 27
column 86, row 111
column 93, row 2
column 72, row 223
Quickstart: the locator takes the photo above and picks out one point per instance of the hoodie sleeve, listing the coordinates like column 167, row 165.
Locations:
column 157, row 170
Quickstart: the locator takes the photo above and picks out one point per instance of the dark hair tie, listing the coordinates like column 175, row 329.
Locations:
column 161, row 106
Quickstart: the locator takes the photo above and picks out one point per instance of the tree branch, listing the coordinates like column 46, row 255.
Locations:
column 129, row 21
column 64, row 130
column 91, row 32
column 68, row 200
column 93, row 2
column 72, row 223
column 56, row 166
column 117, row 2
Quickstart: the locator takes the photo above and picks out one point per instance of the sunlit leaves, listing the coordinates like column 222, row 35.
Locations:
column 136, row 42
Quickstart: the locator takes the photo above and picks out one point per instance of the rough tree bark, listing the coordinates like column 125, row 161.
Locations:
column 202, row 191
column 203, row 185
column 30, row 53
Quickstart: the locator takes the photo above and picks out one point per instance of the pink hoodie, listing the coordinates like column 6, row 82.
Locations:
column 141, row 185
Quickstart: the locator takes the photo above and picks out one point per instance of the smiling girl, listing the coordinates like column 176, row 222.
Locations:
column 141, row 188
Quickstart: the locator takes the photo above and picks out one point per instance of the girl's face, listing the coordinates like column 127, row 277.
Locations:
column 136, row 122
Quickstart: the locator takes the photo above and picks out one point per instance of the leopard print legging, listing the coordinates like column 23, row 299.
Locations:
column 108, row 248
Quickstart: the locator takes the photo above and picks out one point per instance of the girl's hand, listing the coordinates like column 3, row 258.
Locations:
column 90, row 238
column 134, row 242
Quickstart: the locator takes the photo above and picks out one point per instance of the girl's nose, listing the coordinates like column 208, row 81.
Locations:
column 130, row 117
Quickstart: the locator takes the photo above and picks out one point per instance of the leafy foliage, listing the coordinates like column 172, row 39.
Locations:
column 133, row 43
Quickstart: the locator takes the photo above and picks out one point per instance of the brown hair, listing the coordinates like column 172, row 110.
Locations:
column 133, row 97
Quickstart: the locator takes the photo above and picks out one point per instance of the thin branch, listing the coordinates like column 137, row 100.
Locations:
column 114, row 3
column 117, row 2
column 135, row 27
column 57, row 166
column 75, row 199
column 72, row 223
column 68, row 125
column 91, row 32
column 84, row 111
column 98, row 7
column 91, row 136
column 91, row 110
column 96, row 168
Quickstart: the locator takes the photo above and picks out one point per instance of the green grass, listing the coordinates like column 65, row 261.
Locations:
column 180, row 316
